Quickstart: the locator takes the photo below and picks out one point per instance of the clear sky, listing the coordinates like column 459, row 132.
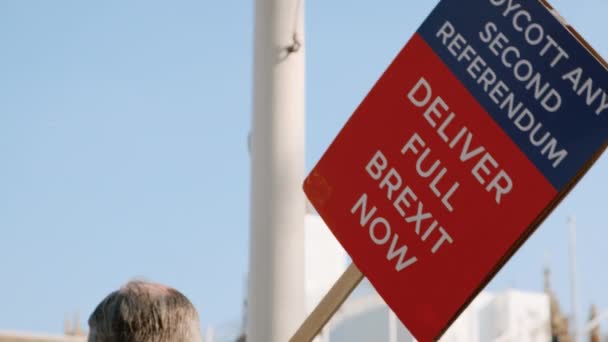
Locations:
column 123, row 130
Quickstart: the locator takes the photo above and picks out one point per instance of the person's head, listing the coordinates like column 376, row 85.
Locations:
column 144, row 312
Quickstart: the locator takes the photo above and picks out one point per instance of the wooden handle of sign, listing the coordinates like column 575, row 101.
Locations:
column 329, row 305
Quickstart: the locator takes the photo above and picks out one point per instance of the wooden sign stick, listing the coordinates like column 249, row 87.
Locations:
column 328, row 306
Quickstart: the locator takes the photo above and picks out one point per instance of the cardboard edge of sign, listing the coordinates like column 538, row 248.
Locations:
column 343, row 287
column 575, row 33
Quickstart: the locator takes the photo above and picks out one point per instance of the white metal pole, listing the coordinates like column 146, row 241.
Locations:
column 210, row 335
column 573, row 285
column 392, row 326
column 276, row 303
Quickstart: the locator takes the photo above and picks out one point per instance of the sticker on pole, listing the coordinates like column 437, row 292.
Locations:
column 480, row 126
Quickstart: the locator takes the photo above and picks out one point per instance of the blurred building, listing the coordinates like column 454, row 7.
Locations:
column 72, row 333
column 492, row 317
column 325, row 260
column 505, row 316
column 29, row 337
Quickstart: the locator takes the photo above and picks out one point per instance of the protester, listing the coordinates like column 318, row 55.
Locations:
column 144, row 312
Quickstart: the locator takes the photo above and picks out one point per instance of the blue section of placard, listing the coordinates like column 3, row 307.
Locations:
column 545, row 90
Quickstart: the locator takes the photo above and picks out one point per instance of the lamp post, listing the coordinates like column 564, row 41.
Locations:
column 276, row 303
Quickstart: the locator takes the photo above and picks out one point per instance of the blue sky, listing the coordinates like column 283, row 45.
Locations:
column 123, row 130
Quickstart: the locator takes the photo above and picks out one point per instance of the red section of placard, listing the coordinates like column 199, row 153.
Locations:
column 427, row 293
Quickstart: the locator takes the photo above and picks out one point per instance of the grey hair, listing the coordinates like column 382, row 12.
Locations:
column 144, row 312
